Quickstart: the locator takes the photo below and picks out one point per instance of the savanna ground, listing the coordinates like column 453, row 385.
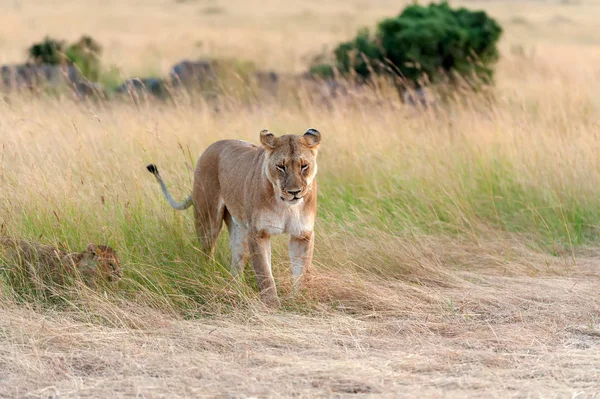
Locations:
column 457, row 251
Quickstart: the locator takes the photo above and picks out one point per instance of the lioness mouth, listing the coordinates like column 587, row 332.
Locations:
column 293, row 200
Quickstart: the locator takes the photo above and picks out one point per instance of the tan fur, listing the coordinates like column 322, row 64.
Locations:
column 257, row 192
column 46, row 264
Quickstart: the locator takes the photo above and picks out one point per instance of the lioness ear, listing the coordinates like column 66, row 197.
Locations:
column 312, row 137
column 267, row 139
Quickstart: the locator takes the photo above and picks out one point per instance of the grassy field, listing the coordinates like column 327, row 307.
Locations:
column 456, row 252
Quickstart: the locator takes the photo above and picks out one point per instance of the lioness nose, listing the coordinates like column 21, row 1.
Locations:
column 294, row 192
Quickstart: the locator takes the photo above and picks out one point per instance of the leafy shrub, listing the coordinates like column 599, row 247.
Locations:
column 361, row 55
column 85, row 53
column 325, row 71
column 49, row 51
column 425, row 44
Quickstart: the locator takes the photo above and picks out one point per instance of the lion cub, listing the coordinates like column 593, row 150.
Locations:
column 46, row 264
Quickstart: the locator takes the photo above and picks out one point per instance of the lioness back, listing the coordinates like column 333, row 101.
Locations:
column 229, row 167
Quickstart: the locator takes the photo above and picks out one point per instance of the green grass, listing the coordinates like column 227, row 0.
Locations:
column 393, row 186
column 484, row 193
column 163, row 260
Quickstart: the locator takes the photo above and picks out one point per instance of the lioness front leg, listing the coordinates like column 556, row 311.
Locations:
column 238, row 243
column 260, row 250
column 301, row 253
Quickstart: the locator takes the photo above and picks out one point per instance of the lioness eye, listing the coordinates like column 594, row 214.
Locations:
column 281, row 167
column 304, row 167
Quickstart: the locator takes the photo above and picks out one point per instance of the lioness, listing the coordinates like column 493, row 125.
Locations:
column 258, row 192
column 47, row 264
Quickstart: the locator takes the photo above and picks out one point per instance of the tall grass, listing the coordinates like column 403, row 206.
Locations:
column 403, row 193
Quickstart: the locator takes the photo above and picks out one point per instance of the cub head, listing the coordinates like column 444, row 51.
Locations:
column 100, row 262
column 291, row 163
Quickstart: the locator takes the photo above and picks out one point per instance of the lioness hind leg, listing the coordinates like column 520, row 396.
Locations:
column 238, row 243
column 208, row 219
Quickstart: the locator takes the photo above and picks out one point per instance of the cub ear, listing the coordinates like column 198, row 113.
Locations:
column 312, row 137
column 267, row 139
column 92, row 248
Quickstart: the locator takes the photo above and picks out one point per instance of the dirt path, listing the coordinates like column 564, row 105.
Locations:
column 492, row 337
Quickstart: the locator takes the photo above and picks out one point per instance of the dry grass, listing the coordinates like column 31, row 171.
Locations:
column 499, row 336
column 457, row 247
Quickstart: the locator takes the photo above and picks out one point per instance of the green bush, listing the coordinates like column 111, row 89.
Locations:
column 85, row 53
column 425, row 44
column 49, row 51
column 324, row 71
column 361, row 55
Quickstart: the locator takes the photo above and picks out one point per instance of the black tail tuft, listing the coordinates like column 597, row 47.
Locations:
column 152, row 169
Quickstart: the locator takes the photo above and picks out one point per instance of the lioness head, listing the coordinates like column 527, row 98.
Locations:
column 291, row 163
column 100, row 262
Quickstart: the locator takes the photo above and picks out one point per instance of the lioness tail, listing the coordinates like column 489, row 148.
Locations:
column 186, row 203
